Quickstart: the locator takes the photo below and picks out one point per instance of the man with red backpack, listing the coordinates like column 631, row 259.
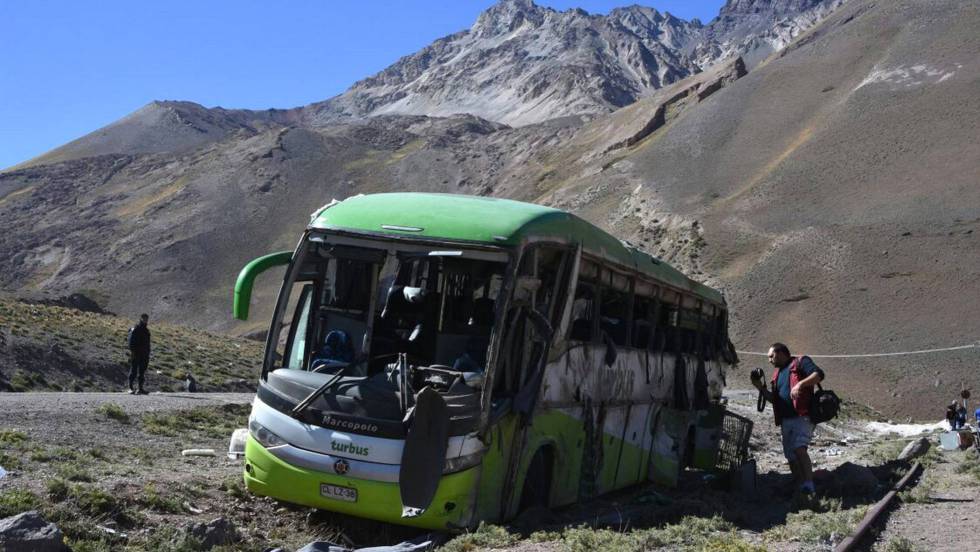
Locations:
column 791, row 393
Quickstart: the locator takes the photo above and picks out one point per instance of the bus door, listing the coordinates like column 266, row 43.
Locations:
column 534, row 311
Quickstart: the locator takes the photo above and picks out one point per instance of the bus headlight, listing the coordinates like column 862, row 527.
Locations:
column 461, row 463
column 265, row 437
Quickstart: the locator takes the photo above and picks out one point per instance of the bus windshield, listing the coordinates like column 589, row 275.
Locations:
column 357, row 304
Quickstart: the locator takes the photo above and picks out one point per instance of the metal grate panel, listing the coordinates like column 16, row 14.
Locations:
column 733, row 447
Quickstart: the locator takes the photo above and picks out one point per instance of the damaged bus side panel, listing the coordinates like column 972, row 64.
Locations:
column 472, row 357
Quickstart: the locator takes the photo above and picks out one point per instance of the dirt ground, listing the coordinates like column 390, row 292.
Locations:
column 132, row 452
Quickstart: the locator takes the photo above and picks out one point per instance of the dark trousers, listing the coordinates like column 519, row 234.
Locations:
column 137, row 368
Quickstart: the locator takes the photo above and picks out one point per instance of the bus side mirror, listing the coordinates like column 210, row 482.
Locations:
column 246, row 278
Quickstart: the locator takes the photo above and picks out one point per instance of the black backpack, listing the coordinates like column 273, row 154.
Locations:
column 824, row 406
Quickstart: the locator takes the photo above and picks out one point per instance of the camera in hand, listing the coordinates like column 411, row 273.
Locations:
column 757, row 376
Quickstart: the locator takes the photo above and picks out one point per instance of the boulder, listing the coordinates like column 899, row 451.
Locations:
column 29, row 532
column 855, row 480
column 915, row 449
column 213, row 533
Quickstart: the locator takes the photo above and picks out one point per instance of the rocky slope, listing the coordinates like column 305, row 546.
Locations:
column 830, row 192
column 521, row 63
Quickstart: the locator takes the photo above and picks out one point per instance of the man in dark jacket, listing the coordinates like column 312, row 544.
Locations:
column 790, row 392
column 139, row 354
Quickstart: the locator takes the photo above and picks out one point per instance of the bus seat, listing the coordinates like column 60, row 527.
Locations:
column 337, row 347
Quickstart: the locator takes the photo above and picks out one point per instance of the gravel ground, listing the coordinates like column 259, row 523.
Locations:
column 949, row 521
column 125, row 458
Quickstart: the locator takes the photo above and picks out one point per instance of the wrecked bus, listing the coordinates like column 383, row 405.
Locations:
column 437, row 360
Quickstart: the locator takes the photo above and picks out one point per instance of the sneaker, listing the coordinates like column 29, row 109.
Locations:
column 131, row 391
column 142, row 392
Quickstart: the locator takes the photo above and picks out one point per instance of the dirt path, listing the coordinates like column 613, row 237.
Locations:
column 946, row 519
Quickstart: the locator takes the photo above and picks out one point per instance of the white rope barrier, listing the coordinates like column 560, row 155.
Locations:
column 870, row 355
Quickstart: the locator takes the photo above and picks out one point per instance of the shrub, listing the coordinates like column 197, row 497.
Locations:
column 74, row 472
column 98, row 454
column 57, row 488
column 113, row 411
column 234, row 488
column 94, row 501
column 970, row 465
column 900, row 544
column 11, row 437
column 485, row 536
column 15, row 501
column 817, row 527
column 10, row 462
column 154, row 499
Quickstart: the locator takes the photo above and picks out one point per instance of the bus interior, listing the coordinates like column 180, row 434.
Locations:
column 367, row 325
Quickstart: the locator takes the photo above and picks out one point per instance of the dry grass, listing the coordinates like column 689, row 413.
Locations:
column 827, row 524
column 691, row 533
column 92, row 340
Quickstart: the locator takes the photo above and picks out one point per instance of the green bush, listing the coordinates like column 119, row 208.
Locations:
column 57, row 488
column 113, row 411
column 155, row 500
column 810, row 527
column 94, row 501
column 234, row 488
column 900, row 544
column 98, row 454
column 10, row 462
column 485, row 536
column 74, row 472
column 970, row 465
column 12, row 437
column 15, row 501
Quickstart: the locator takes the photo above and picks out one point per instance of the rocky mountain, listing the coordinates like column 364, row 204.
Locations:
column 521, row 63
column 830, row 191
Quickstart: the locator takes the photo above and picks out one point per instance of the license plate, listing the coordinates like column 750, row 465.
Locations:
column 337, row 492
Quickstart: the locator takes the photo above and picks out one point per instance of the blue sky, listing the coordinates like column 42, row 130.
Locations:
column 69, row 67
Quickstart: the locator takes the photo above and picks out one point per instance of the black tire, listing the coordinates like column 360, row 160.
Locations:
column 537, row 482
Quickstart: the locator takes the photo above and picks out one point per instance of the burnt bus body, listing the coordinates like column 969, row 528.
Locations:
column 439, row 360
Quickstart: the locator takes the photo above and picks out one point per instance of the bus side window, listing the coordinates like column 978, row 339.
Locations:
column 583, row 316
column 708, row 333
column 689, row 323
column 553, row 271
column 644, row 321
column 667, row 322
column 614, row 308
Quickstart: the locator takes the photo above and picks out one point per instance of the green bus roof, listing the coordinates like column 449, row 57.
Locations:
column 489, row 221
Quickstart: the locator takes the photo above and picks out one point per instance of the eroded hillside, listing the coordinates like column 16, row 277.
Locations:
column 831, row 192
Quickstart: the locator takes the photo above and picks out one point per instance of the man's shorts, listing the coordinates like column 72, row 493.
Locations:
column 796, row 433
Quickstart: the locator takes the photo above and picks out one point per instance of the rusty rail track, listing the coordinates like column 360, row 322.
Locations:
column 850, row 542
